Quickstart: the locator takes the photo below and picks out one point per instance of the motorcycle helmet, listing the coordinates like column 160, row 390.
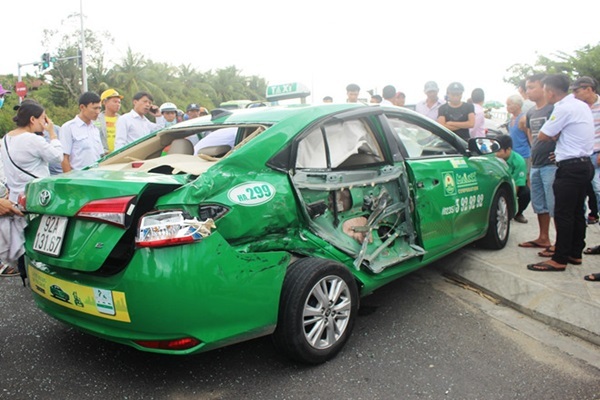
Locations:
column 168, row 107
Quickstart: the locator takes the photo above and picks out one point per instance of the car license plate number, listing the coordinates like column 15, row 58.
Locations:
column 50, row 234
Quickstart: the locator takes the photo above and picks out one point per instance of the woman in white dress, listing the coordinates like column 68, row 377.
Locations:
column 25, row 156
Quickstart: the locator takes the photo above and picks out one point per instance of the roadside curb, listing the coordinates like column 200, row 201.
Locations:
column 561, row 310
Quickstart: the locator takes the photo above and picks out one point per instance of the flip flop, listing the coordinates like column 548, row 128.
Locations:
column 545, row 253
column 575, row 261
column 592, row 250
column 544, row 267
column 8, row 271
column 532, row 244
column 592, row 277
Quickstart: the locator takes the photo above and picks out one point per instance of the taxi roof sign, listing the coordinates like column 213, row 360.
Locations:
column 285, row 91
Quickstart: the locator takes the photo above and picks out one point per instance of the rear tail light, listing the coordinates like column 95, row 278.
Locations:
column 171, row 228
column 116, row 211
column 175, row 344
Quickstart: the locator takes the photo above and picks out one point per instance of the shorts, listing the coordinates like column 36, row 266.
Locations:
column 542, row 195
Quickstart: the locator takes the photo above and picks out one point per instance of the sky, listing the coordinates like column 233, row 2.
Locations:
column 323, row 44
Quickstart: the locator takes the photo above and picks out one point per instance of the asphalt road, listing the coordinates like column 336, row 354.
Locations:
column 418, row 338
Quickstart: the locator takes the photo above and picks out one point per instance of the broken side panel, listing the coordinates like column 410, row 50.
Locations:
column 364, row 213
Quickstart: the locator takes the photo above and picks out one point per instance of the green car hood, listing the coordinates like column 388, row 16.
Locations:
column 84, row 239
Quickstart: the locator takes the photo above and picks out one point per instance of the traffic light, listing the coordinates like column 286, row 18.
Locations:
column 79, row 61
column 45, row 60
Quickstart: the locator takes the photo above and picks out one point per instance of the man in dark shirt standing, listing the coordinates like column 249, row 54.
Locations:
column 543, row 167
column 571, row 126
column 457, row 115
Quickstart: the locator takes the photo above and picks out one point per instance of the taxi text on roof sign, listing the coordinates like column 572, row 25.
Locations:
column 287, row 91
column 277, row 90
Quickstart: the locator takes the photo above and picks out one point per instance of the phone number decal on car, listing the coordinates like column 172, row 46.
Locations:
column 251, row 193
column 464, row 204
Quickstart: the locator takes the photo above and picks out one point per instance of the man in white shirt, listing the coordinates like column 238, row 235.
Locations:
column 79, row 137
column 388, row 93
column 571, row 125
column 430, row 106
column 134, row 124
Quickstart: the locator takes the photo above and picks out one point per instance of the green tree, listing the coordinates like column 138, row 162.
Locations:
column 584, row 62
column 65, row 73
column 229, row 84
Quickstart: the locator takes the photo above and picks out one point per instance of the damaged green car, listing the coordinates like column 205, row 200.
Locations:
column 177, row 248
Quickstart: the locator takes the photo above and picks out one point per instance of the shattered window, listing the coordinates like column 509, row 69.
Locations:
column 347, row 143
column 418, row 141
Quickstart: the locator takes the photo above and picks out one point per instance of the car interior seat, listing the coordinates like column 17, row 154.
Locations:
column 181, row 146
column 215, row 151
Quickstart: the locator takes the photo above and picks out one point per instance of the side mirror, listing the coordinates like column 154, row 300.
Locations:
column 482, row 146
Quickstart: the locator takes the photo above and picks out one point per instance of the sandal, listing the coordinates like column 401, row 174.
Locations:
column 532, row 244
column 543, row 267
column 546, row 253
column 592, row 250
column 8, row 271
column 592, row 277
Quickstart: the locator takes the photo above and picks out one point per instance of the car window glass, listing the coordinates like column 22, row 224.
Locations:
column 420, row 141
column 344, row 143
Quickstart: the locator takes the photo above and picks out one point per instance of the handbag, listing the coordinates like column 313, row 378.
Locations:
column 13, row 163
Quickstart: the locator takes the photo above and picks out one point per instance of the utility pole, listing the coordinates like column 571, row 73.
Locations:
column 83, row 64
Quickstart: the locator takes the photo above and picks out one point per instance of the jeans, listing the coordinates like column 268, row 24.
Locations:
column 542, row 196
column 570, row 188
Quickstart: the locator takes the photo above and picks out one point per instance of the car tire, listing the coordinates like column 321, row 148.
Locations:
column 317, row 310
column 499, row 222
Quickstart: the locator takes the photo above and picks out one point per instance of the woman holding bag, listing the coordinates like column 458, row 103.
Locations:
column 25, row 155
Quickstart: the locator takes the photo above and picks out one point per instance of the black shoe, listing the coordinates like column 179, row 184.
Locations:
column 520, row 218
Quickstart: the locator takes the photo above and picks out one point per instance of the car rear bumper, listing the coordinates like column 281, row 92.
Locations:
column 206, row 290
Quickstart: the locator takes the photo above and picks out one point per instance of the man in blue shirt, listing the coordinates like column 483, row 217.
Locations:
column 79, row 137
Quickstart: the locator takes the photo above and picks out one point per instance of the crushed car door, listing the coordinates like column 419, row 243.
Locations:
column 352, row 194
column 448, row 199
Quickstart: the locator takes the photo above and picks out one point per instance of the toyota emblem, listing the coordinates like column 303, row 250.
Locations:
column 45, row 197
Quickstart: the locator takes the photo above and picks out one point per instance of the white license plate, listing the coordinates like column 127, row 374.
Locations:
column 50, row 234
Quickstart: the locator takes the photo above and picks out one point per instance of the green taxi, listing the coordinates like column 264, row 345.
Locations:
column 192, row 248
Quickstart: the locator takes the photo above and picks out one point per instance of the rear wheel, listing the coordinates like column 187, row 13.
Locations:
column 318, row 307
column 499, row 222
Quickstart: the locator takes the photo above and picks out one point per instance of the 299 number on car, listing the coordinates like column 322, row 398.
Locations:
column 50, row 234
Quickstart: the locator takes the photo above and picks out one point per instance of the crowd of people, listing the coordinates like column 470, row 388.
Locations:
column 37, row 148
column 552, row 149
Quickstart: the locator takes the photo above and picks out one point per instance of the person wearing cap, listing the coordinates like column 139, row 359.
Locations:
column 194, row 110
column 168, row 115
column 80, row 137
column 586, row 90
column 431, row 105
column 107, row 120
column 134, row 124
column 571, row 126
column 3, row 93
column 457, row 115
